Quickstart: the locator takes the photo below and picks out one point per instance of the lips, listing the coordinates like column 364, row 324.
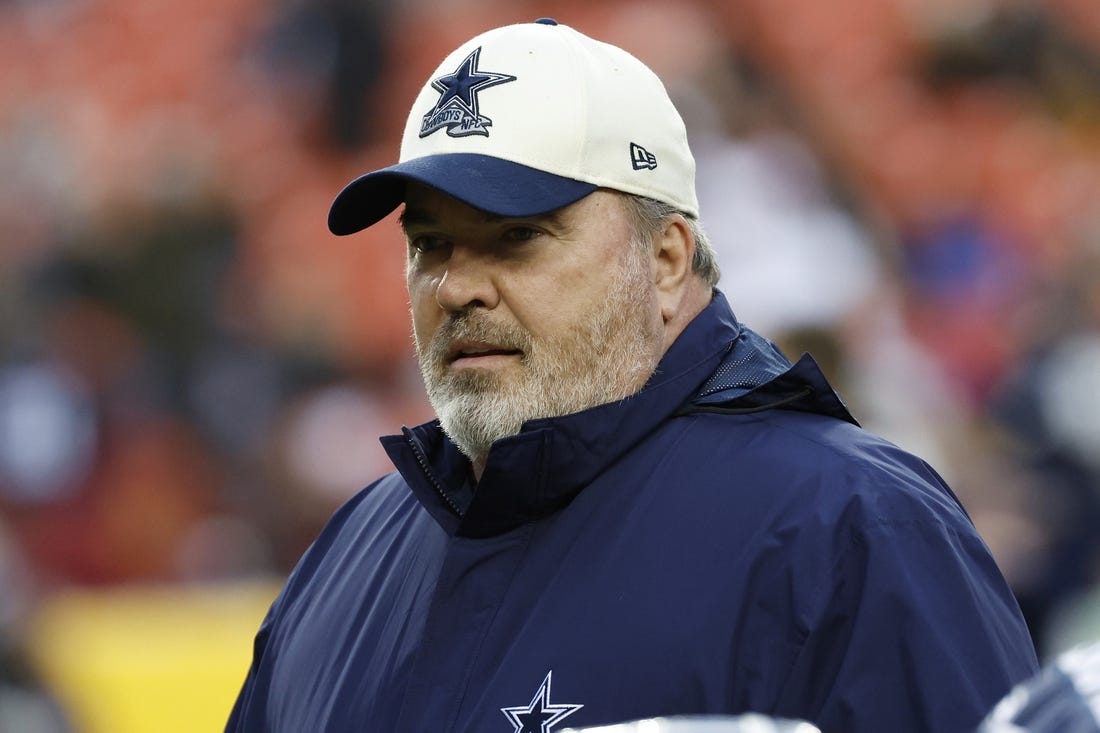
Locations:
column 477, row 349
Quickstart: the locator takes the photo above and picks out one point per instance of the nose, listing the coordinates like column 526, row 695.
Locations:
column 467, row 282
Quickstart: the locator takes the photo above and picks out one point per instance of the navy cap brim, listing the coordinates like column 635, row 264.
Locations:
column 491, row 184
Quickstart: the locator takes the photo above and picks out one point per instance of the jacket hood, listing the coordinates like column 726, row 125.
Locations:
column 755, row 376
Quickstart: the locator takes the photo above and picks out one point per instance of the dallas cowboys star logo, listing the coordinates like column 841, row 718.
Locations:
column 540, row 715
column 457, row 108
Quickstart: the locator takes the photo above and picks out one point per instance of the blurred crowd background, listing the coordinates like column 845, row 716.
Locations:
column 194, row 372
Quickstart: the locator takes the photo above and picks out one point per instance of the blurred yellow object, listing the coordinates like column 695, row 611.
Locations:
column 149, row 659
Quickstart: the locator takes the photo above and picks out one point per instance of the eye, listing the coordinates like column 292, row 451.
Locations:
column 521, row 234
column 426, row 243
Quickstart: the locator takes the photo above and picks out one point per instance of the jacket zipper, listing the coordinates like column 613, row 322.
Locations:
column 423, row 461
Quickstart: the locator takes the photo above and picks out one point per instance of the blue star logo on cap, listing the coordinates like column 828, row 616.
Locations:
column 457, row 108
column 539, row 716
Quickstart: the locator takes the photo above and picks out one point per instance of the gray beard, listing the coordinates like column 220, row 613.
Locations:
column 608, row 356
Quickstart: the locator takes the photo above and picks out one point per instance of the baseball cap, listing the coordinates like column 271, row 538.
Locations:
column 528, row 118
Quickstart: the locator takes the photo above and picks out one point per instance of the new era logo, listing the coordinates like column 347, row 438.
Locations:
column 641, row 158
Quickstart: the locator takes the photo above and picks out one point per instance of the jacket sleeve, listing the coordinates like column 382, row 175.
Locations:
column 912, row 629
column 251, row 711
column 248, row 710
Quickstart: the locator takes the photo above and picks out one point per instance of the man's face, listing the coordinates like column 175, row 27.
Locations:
column 521, row 318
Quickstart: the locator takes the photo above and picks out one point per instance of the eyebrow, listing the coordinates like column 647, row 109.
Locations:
column 416, row 217
column 423, row 217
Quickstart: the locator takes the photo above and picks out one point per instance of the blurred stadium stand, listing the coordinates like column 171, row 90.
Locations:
column 193, row 372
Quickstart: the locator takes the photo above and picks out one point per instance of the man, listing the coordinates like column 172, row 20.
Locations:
column 631, row 506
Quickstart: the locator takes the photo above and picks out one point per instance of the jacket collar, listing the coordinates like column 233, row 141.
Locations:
column 756, row 376
column 542, row 468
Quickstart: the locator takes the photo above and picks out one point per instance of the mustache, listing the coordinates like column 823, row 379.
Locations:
column 472, row 326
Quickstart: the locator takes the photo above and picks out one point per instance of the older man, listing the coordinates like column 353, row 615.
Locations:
column 630, row 505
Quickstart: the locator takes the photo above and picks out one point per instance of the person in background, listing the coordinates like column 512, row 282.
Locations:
column 631, row 505
column 1063, row 698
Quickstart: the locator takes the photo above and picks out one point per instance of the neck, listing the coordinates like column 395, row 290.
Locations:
column 477, row 467
column 696, row 298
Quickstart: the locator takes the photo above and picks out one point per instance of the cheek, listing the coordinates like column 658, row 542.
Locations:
column 572, row 294
column 425, row 311
column 422, row 289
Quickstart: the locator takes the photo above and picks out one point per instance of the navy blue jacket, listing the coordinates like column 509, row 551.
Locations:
column 727, row 540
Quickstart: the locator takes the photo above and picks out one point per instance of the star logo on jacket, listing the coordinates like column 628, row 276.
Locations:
column 457, row 108
column 540, row 716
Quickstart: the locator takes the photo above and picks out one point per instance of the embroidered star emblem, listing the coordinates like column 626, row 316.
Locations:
column 457, row 108
column 466, row 82
column 540, row 715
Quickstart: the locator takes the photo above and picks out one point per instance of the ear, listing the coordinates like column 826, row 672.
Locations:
column 673, row 250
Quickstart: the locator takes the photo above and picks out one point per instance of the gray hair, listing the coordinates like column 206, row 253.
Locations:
column 648, row 216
